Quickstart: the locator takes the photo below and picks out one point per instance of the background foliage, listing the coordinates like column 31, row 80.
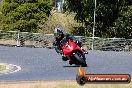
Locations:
column 113, row 17
column 24, row 15
column 65, row 21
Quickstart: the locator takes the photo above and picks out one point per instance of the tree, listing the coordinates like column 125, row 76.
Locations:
column 109, row 18
column 24, row 15
column 110, row 15
column 123, row 24
column 84, row 12
column 65, row 21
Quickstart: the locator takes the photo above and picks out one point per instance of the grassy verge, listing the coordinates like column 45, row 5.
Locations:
column 2, row 67
column 60, row 84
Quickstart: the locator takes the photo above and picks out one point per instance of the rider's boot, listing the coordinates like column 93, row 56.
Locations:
column 64, row 58
column 70, row 62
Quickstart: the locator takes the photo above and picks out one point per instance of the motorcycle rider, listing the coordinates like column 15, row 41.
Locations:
column 60, row 35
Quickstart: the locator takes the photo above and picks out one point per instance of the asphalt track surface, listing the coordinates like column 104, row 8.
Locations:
column 46, row 64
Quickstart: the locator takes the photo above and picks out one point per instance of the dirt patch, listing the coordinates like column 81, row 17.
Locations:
column 26, row 43
column 59, row 84
column 5, row 42
column 2, row 67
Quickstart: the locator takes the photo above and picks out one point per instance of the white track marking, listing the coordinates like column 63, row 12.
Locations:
column 9, row 68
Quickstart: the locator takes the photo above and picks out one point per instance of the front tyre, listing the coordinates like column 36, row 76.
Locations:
column 80, row 58
column 84, row 65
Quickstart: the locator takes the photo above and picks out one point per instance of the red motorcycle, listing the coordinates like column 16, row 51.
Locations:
column 73, row 52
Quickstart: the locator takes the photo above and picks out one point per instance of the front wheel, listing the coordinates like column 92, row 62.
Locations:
column 80, row 58
column 84, row 65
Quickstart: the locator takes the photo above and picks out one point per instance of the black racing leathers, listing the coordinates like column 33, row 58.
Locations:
column 57, row 42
